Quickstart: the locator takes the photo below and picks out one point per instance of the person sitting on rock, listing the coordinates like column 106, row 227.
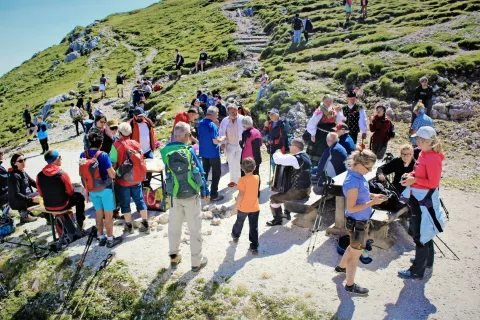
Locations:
column 382, row 131
column 355, row 116
column 344, row 137
column 53, row 184
column 202, row 60
column 421, row 120
column 301, row 179
column 333, row 159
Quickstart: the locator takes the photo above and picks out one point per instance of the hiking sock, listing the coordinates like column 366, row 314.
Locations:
column 110, row 238
column 102, row 236
column 129, row 224
column 145, row 223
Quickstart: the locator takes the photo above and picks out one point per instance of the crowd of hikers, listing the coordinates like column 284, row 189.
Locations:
column 113, row 171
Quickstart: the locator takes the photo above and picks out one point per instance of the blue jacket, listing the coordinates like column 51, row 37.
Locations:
column 42, row 131
column 337, row 155
column 347, row 142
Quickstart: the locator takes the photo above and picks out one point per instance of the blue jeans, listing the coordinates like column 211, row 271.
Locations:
column 260, row 92
column 297, row 36
column 253, row 224
column 124, row 194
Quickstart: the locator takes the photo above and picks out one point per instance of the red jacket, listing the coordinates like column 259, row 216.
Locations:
column 180, row 117
column 54, row 185
column 428, row 170
column 136, row 132
column 380, row 127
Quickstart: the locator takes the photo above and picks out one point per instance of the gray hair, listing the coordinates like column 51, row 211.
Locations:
column 125, row 129
column 247, row 121
column 212, row 110
column 327, row 97
column 297, row 142
column 332, row 136
column 424, row 78
column 180, row 130
column 232, row 106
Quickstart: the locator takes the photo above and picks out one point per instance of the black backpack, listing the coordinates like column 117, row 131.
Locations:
column 393, row 203
column 297, row 24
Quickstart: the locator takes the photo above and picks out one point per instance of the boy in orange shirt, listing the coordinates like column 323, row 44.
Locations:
column 247, row 205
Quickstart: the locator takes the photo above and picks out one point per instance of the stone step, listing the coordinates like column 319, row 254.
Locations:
column 252, row 41
column 233, row 7
column 255, row 49
column 249, row 37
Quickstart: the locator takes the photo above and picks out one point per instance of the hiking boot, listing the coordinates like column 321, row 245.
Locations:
column 175, row 259
column 355, row 288
column 129, row 228
column 235, row 240
column 144, row 227
column 202, row 265
column 339, row 269
column 412, row 260
column 112, row 243
column 28, row 219
column 407, row 274
column 274, row 222
column 102, row 241
column 287, row 215
column 253, row 251
column 218, row 198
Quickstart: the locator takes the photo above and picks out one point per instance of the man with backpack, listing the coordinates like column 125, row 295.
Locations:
column 297, row 26
column 53, row 184
column 179, row 63
column 185, row 179
column 307, row 27
column 128, row 161
column 120, row 82
column 77, row 117
column 96, row 171
column 29, row 126
column 89, row 108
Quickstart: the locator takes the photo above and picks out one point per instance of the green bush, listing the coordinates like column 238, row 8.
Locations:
column 470, row 44
column 388, row 88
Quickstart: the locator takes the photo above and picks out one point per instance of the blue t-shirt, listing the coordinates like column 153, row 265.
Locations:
column 208, row 130
column 355, row 180
column 210, row 102
column 420, row 121
column 103, row 162
column 203, row 98
column 347, row 142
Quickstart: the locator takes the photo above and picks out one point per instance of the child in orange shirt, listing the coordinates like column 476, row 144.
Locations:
column 247, row 205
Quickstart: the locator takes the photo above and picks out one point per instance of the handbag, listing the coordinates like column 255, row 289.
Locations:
column 155, row 200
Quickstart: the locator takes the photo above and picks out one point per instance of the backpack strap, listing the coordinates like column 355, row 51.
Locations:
column 87, row 156
column 98, row 153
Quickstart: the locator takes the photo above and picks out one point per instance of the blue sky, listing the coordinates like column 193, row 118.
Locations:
column 29, row 26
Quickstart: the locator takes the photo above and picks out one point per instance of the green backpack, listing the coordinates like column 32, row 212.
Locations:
column 183, row 180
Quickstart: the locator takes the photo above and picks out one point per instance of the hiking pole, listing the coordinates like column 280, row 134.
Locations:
column 102, row 266
column 448, row 247
column 318, row 219
column 436, row 245
column 80, row 263
column 444, row 209
column 319, row 222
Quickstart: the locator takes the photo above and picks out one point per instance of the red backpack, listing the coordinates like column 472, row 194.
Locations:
column 133, row 169
column 90, row 173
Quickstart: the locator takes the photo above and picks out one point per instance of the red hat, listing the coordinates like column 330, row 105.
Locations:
column 341, row 126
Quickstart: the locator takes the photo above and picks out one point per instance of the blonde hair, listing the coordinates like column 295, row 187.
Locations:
column 434, row 143
column 40, row 117
column 418, row 106
column 327, row 97
column 362, row 157
column 407, row 147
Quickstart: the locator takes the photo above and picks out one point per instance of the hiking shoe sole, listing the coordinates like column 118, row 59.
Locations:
column 355, row 289
column 219, row 198
column 338, row 269
column 202, row 265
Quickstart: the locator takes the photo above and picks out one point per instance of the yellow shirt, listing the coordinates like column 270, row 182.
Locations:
column 249, row 186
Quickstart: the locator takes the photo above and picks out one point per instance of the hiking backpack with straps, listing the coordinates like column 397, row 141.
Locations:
column 133, row 169
column 90, row 173
column 67, row 228
column 298, row 24
column 183, row 179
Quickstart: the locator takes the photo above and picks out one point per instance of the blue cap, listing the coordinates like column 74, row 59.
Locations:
column 98, row 112
column 139, row 112
column 274, row 111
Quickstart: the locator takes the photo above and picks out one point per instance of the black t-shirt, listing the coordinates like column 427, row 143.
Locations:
column 120, row 79
column 297, row 24
column 397, row 167
column 423, row 94
column 203, row 56
column 80, row 103
column 103, row 80
column 27, row 116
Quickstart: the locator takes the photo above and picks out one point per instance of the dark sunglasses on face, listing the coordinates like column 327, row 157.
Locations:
column 21, row 160
column 113, row 128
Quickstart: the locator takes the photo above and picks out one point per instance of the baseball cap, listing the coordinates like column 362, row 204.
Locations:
column 274, row 111
column 341, row 126
column 425, row 133
column 98, row 113
column 139, row 112
column 112, row 123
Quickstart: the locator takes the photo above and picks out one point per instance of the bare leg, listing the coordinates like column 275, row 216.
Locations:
column 201, row 64
column 128, row 217
column 144, row 214
column 99, row 222
column 350, row 261
column 109, row 222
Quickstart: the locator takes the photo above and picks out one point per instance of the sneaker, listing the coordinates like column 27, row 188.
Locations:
column 412, row 260
column 339, row 269
column 218, row 198
column 232, row 184
column 129, row 228
column 112, row 243
column 202, row 265
column 235, row 240
column 356, row 289
column 102, row 241
column 175, row 259
column 407, row 274
column 28, row 219
column 253, row 251
column 274, row 223
column 144, row 228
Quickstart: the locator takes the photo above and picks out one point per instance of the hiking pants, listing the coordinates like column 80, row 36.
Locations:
column 234, row 158
column 216, row 166
column 379, row 149
column 305, row 34
column 297, row 36
column 253, row 224
column 76, row 122
column 424, row 253
column 181, row 210
column 44, row 144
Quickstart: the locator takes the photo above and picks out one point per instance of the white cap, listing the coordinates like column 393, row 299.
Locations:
column 426, row 132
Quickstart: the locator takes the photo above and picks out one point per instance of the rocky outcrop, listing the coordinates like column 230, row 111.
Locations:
column 297, row 119
column 71, row 56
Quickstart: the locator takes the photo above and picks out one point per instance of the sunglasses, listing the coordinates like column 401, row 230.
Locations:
column 113, row 128
column 368, row 169
column 406, row 154
column 101, row 121
column 21, row 160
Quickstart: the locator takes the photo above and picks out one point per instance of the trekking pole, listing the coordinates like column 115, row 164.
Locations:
column 447, row 248
column 319, row 223
column 436, row 245
column 102, row 266
column 445, row 209
column 80, row 263
column 318, row 219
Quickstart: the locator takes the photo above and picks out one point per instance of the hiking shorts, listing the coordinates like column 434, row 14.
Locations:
column 358, row 238
column 103, row 87
column 348, row 8
column 119, row 86
column 103, row 200
column 124, row 194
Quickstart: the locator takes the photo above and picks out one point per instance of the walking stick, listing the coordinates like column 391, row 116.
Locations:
column 447, row 248
column 318, row 219
column 436, row 245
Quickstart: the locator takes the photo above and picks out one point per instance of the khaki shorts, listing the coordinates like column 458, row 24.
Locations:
column 119, row 86
column 360, row 244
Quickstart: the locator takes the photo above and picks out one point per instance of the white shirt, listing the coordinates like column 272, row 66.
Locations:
column 144, row 137
column 223, row 127
column 362, row 122
column 286, row 159
column 317, row 116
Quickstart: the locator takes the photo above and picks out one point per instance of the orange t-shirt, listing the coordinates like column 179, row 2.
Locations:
column 249, row 185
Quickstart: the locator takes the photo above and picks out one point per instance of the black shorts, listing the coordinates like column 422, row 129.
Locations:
column 29, row 125
column 178, row 67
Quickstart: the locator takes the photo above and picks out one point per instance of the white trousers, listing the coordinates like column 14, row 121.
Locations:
column 234, row 155
column 186, row 209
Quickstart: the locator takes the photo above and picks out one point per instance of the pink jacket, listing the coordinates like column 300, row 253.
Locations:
column 428, row 170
